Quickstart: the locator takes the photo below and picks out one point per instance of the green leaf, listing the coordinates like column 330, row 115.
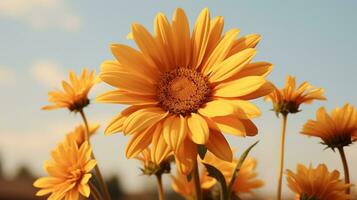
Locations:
column 202, row 150
column 215, row 173
column 238, row 166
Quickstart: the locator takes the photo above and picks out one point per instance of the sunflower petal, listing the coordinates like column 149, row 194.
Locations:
column 239, row 87
column 199, row 131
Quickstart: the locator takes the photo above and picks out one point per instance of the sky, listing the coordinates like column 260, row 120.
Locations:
column 42, row 40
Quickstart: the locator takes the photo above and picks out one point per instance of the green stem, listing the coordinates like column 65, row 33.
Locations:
column 345, row 168
column 282, row 150
column 160, row 188
column 97, row 171
column 196, row 180
column 94, row 191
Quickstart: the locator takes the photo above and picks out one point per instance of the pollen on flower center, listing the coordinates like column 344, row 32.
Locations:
column 182, row 91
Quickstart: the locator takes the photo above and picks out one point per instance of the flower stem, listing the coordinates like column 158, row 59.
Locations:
column 160, row 188
column 97, row 171
column 196, row 181
column 282, row 147
column 345, row 168
column 94, row 191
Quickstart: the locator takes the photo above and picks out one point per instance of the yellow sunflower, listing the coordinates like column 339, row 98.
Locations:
column 75, row 93
column 289, row 98
column 79, row 133
column 186, row 188
column 189, row 88
column 69, row 172
column 319, row 183
column 336, row 130
column 246, row 180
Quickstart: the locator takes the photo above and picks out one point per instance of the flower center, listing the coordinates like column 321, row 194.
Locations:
column 182, row 91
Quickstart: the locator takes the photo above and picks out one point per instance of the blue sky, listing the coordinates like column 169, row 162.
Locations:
column 41, row 40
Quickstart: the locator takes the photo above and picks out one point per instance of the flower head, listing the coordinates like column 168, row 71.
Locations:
column 68, row 172
column 153, row 164
column 78, row 134
column 246, row 179
column 189, row 88
column 319, row 183
column 288, row 99
column 336, row 130
column 186, row 188
column 75, row 93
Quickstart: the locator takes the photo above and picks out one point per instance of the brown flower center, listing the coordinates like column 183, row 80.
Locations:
column 183, row 91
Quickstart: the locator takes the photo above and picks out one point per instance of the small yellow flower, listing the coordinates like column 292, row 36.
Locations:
column 195, row 86
column 186, row 188
column 154, row 161
column 78, row 134
column 288, row 99
column 69, row 172
column 336, row 130
column 246, row 179
column 317, row 184
column 75, row 94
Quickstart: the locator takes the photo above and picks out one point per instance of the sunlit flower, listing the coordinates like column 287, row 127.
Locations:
column 288, row 99
column 186, row 188
column 69, row 172
column 246, row 180
column 154, row 161
column 317, row 184
column 79, row 133
column 192, row 87
column 336, row 130
column 75, row 93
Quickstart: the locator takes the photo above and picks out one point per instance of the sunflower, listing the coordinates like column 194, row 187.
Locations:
column 189, row 89
column 336, row 130
column 246, row 180
column 317, row 184
column 69, row 172
column 186, row 188
column 288, row 99
column 75, row 94
column 79, row 133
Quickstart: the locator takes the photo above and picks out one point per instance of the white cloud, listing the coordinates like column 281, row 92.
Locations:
column 41, row 14
column 48, row 73
column 7, row 75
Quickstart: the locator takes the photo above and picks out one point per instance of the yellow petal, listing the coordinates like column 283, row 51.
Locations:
column 199, row 131
column 264, row 90
column 220, row 52
column 186, row 156
column 200, row 37
column 219, row 146
column 84, row 190
column 142, row 119
column 239, row 87
column 139, row 142
column 133, row 60
column 216, row 28
column 216, row 108
column 147, row 44
column 116, row 124
column 126, row 80
column 247, row 41
column 231, row 125
column 125, row 97
column 182, row 40
column 159, row 149
column 255, row 69
column 164, row 36
column 231, row 65
column 174, row 131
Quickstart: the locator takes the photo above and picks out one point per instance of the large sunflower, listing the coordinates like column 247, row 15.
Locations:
column 187, row 87
column 319, row 183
